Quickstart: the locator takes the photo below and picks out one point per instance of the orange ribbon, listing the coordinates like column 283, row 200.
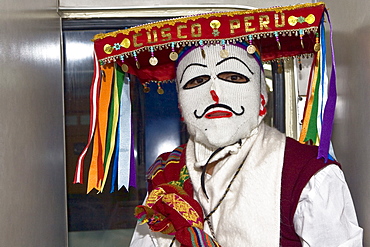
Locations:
column 96, row 172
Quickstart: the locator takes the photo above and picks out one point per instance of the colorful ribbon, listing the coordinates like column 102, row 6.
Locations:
column 310, row 100
column 110, row 131
column 112, row 125
column 120, row 82
column 321, row 100
column 94, row 91
column 328, row 118
column 124, row 151
column 96, row 171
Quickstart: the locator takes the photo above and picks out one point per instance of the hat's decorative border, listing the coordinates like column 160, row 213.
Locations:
column 210, row 28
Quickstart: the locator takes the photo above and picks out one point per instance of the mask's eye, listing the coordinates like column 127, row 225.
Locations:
column 233, row 77
column 197, row 81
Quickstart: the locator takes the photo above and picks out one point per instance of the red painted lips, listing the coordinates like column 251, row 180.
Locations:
column 218, row 114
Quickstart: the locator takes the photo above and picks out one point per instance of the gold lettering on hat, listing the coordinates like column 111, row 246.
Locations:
column 248, row 24
column 264, row 21
column 196, row 30
column 134, row 38
column 179, row 35
column 282, row 20
column 234, row 24
column 166, row 36
column 151, row 35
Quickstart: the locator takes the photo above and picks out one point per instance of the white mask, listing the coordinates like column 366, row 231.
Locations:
column 221, row 99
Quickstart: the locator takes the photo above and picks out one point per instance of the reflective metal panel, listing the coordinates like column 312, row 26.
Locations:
column 146, row 8
column 89, row 4
column 156, row 128
column 32, row 180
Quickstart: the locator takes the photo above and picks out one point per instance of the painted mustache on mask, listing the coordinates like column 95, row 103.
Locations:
column 219, row 105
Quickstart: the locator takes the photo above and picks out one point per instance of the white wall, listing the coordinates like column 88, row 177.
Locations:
column 32, row 180
column 351, row 21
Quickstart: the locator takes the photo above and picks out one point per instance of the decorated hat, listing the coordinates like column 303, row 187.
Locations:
column 151, row 51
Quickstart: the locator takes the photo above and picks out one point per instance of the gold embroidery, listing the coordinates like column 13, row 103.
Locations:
column 172, row 162
column 247, row 24
column 126, row 43
column 234, row 24
column 310, row 19
column 149, row 36
column 264, row 21
column 215, row 24
column 196, row 30
column 293, row 20
column 184, row 174
column 184, row 209
column 179, row 35
column 166, row 36
column 175, row 183
column 154, row 196
column 134, row 37
column 108, row 49
column 174, row 21
column 282, row 18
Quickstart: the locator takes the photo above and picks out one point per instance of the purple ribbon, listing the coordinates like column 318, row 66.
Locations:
column 327, row 125
column 132, row 162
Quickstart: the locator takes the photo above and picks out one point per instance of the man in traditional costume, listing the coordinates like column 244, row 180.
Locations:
column 237, row 181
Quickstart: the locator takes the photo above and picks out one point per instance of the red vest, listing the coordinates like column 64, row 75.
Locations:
column 300, row 164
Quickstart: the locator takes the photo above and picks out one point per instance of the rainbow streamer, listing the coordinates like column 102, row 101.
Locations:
column 320, row 104
column 110, row 132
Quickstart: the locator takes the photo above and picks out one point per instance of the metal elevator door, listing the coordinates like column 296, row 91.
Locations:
column 156, row 127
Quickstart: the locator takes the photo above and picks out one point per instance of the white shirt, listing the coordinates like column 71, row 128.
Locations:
column 318, row 220
column 325, row 215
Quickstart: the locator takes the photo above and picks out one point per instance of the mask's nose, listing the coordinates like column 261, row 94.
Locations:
column 214, row 96
column 213, row 89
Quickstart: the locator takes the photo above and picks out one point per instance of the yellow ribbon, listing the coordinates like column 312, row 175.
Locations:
column 112, row 141
column 309, row 104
